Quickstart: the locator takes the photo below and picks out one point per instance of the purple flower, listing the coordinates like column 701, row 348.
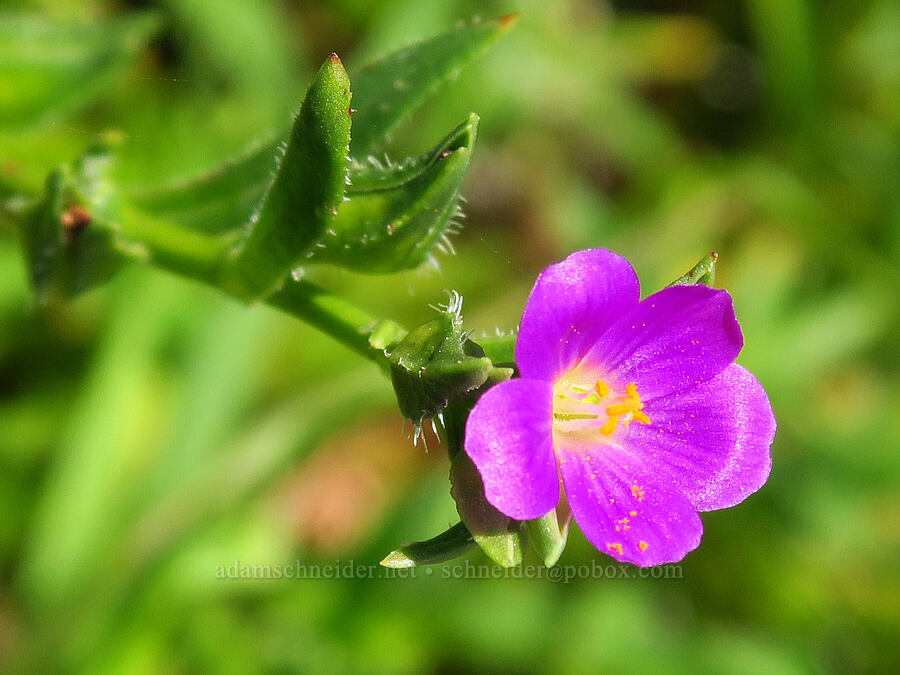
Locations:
column 637, row 406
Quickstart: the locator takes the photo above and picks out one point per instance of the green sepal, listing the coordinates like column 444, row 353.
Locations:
column 307, row 191
column 500, row 349
column 704, row 272
column 547, row 538
column 495, row 533
column 434, row 364
column 71, row 234
column 387, row 89
column 385, row 334
column 457, row 412
column 397, row 216
column 448, row 545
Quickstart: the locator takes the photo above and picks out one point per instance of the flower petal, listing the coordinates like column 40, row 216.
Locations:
column 677, row 338
column 712, row 441
column 571, row 305
column 509, row 438
column 624, row 510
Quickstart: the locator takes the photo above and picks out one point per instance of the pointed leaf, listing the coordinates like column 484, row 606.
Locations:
column 307, row 190
column 221, row 201
column 450, row 544
column 388, row 89
column 397, row 216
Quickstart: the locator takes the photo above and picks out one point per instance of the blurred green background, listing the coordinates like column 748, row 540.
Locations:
column 153, row 430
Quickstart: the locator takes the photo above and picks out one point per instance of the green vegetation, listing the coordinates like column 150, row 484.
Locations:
column 157, row 435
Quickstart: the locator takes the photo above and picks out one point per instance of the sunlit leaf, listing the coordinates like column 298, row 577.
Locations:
column 388, row 89
column 397, row 216
column 307, row 191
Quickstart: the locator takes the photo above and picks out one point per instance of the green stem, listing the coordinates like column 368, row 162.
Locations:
column 183, row 251
column 332, row 315
column 199, row 256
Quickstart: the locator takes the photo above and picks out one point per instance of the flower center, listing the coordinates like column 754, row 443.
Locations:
column 584, row 407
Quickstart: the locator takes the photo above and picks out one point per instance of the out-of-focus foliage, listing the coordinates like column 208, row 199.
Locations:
column 152, row 432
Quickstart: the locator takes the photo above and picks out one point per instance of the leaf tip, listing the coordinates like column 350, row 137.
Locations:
column 507, row 21
column 397, row 560
column 335, row 68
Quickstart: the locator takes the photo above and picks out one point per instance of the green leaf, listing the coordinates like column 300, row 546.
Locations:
column 547, row 538
column 221, row 201
column 396, row 216
column 388, row 89
column 49, row 67
column 704, row 272
column 448, row 545
column 431, row 366
column 224, row 200
column 306, row 193
column 494, row 532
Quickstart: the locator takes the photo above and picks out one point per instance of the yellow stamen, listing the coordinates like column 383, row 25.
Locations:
column 615, row 547
column 643, row 545
column 628, row 408
column 625, row 409
column 622, row 408
column 637, row 492
column 610, row 425
column 638, row 416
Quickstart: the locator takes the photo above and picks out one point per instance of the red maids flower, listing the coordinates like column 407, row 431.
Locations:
column 637, row 405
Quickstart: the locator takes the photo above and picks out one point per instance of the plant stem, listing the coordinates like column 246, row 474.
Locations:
column 185, row 252
column 332, row 315
column 199, row 256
